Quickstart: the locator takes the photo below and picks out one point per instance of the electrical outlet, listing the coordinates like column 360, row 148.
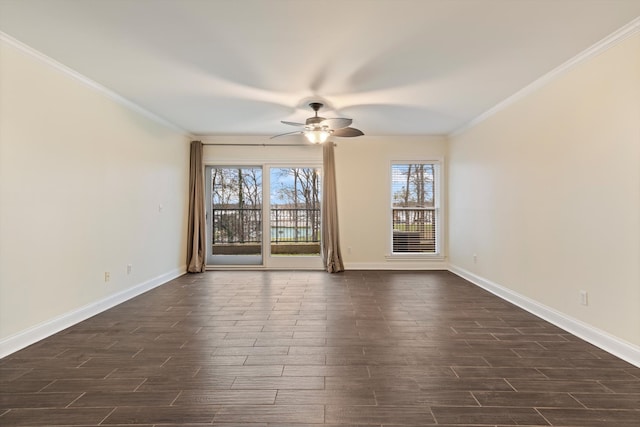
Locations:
column 129, row 268
column 475, row 258
column 584, row 297
column 107, row 276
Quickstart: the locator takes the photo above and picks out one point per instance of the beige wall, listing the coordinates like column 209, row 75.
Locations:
column 363, row 167
column 255, row 154
column 547, row 194
column 81, row 181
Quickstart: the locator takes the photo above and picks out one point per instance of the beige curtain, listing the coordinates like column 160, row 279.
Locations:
column 330, row 238
column 196, row 252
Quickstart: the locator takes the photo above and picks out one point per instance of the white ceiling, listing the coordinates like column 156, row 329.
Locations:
column 238, row 67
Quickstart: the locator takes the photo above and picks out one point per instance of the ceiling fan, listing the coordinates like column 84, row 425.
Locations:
column 318, row 129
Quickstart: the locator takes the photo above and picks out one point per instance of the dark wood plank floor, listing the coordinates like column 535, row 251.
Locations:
column 303, row 348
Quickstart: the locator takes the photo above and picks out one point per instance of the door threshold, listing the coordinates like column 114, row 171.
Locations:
column 257, row 268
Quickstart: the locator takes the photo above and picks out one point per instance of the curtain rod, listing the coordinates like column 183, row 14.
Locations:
column 263, row 145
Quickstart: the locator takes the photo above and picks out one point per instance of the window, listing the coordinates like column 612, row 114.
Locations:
column 415, row 218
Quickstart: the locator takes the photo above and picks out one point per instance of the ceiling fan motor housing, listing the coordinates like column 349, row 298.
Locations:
column 314, row 120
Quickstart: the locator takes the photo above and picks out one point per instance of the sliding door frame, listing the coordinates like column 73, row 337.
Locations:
column 296, row 262
column 269, row 261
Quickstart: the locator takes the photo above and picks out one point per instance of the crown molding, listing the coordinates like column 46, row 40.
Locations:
column 608, row 42
column 28, row 50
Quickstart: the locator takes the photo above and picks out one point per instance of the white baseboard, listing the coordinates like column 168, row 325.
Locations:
column 614, row 345
column 43, row 330
column 397, row 265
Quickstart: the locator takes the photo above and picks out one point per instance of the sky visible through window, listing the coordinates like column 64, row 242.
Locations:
column 243, row 186
column 412, row 185
column 295, row 186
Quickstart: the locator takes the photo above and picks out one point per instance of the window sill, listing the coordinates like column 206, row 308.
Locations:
column 414, row 257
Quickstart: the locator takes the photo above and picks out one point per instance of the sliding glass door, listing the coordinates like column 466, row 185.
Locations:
column 294, row 217
column 281, row 203
column 234, row 215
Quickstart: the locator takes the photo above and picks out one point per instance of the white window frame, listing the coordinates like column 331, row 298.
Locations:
column 438, row 255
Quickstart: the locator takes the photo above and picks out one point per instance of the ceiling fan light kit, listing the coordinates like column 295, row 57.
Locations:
column 317, row 129
column 317, row 136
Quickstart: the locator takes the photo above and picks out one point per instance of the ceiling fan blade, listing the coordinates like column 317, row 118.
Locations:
column 288, row 133
column 292, row 123
column 347, row 132
column 337, row 123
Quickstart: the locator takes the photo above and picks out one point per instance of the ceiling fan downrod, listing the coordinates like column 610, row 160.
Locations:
column 316, row 106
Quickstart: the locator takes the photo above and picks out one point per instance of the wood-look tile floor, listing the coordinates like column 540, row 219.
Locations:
column 305, row 348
